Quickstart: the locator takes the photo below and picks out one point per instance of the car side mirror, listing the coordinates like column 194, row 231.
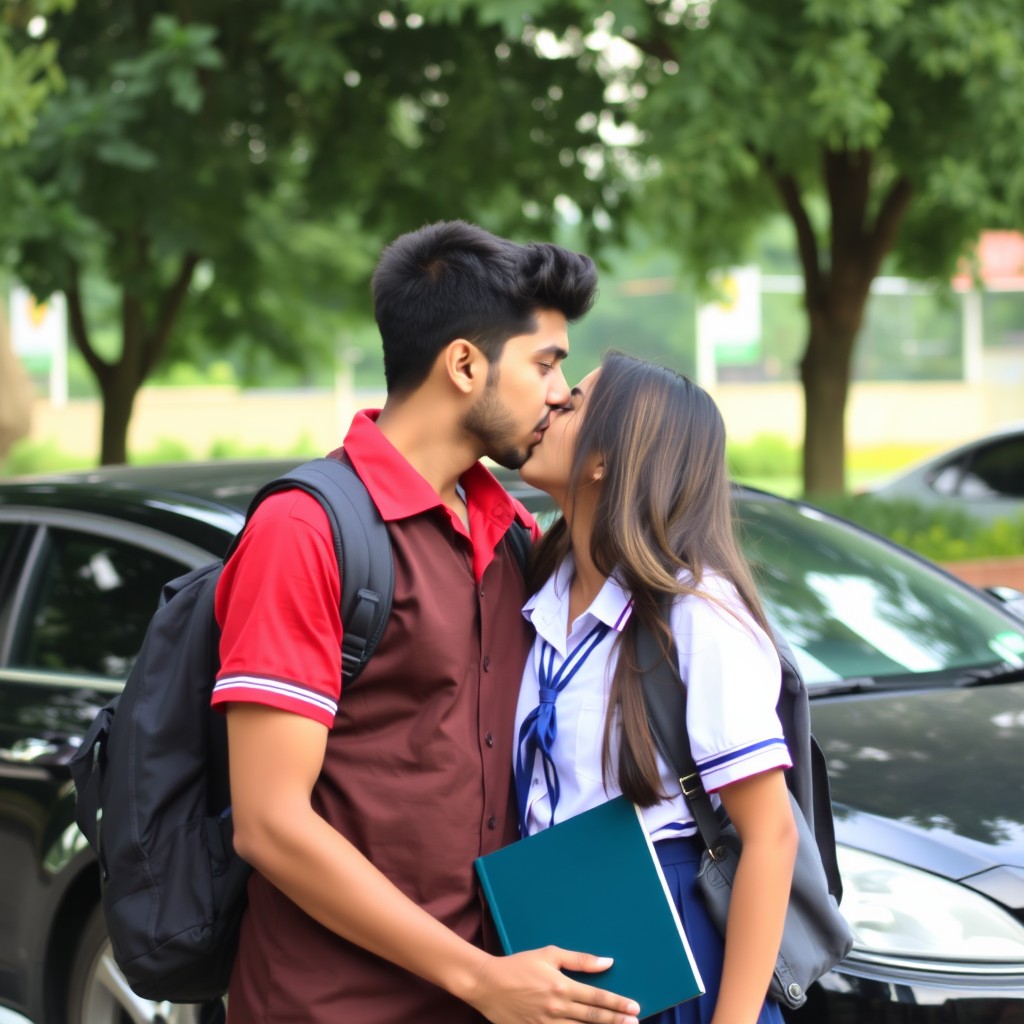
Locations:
column 1011, row 598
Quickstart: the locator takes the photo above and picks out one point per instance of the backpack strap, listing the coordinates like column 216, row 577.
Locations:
column 362, row 547
column 521, row 543
column 665, row 698
column 363, row 550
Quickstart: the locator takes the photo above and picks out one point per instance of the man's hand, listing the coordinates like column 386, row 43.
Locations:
column 530, row 988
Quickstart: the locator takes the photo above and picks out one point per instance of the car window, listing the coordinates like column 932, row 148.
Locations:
column 946, row 480
column 851, row 606
column 996, row 469
column 91, row 600
column 7, row 531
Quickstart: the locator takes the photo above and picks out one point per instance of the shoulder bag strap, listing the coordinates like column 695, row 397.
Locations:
column 665, row 697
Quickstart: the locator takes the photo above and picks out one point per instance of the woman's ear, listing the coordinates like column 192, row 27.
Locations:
column 597, row 473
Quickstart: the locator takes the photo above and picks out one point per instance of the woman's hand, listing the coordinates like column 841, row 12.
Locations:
column 530, row 988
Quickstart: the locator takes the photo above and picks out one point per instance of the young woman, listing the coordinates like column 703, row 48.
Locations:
column 636, row 462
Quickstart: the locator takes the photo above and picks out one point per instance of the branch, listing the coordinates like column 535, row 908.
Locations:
column 805, row 237
column 888, row 221
column 80, row 331
column 169, row 309
column 657, row 48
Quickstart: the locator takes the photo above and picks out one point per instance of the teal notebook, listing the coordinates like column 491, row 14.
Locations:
column 593, row 884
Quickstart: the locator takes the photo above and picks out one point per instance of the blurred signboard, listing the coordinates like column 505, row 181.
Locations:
column 729, row 327
column 39, row 337
column 998, row 262
column 731, row 324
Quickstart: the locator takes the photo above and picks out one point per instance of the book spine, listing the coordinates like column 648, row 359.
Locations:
column 492, row 904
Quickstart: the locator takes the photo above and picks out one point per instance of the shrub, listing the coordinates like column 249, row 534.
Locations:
column 767, row 456
column 28, row 456
column 941, row 534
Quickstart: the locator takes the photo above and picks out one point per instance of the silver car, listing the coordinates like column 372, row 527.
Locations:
column 984, row 477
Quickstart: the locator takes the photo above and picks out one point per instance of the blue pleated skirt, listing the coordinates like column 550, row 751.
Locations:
column 680, row 859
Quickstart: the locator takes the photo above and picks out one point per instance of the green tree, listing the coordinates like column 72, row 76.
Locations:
column 885, row 129
column 233, row 168
column 28, row 67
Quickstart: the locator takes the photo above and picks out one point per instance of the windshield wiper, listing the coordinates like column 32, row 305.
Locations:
column 1003, row 672
column 856, row 684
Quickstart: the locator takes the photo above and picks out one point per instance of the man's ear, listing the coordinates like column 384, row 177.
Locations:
column 465, row 365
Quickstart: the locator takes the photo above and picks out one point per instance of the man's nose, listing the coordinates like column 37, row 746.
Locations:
column 558, row 392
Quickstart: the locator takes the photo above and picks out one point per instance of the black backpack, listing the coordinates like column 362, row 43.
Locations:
column 151, row 774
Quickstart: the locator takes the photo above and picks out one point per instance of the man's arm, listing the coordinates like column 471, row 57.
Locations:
column 275, row 760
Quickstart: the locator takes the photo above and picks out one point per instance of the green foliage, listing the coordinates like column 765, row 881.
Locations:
column 766, row 456
column 28, row 457
column 29, row 71
column 934, row 91
column 234, row 173
column 188, row 375
column 887, row 130
column 941, row 534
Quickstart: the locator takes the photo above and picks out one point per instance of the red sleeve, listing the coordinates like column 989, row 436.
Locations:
column 277, row 605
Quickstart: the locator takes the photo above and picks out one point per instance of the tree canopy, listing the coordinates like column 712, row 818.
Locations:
column 885, row 129
column 235, row 172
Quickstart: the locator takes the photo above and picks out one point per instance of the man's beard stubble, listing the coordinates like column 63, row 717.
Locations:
column 491, row 423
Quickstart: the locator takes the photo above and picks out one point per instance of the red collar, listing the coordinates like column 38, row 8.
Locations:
column 399, row 491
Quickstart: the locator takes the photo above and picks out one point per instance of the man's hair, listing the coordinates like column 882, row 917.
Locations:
column 455, row 280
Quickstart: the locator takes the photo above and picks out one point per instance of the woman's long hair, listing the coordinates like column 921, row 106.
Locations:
column 664, row 506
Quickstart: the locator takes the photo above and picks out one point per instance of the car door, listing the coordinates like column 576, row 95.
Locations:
column 77, row 595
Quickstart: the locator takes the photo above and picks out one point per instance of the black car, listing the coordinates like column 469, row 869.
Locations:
column 918, row 700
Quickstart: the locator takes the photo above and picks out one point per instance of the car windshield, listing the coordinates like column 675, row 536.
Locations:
column 852, row 607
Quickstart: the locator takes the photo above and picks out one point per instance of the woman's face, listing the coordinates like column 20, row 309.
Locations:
column 550, row 463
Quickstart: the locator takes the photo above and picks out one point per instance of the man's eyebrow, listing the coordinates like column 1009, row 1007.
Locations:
column 556, row 351
column 577, row 392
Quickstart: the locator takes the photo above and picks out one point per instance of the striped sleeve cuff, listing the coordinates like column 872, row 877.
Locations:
column 275, row 693
column 741, row 763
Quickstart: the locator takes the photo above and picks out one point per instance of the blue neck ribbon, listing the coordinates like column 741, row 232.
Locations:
column 538, row 731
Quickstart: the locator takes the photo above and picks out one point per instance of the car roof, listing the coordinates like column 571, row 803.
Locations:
column 212, row 495
column 201, row 502
column 225, row 483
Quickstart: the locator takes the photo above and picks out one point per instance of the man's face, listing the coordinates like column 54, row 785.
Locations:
column 510, row 417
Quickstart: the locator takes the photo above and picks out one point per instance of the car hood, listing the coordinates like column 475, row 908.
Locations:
column 933, row 778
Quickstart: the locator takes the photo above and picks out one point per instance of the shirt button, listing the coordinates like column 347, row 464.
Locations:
column 492, row 822
column 489, row 739
column 481, row 591
column 487, row 663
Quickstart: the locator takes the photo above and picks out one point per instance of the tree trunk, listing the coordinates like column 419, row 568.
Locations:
column 119, row 390
column 836, row 294
column 122, row 381
column 825, row 374
column 144, row 343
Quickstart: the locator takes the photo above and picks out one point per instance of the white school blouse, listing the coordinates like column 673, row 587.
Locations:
column 732, row 676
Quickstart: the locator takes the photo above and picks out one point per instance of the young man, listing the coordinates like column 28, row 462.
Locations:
column 362, row 812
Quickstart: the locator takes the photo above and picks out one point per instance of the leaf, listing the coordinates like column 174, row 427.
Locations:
column 127, row 154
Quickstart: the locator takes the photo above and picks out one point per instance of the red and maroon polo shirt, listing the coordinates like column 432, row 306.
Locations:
column 417, row 771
